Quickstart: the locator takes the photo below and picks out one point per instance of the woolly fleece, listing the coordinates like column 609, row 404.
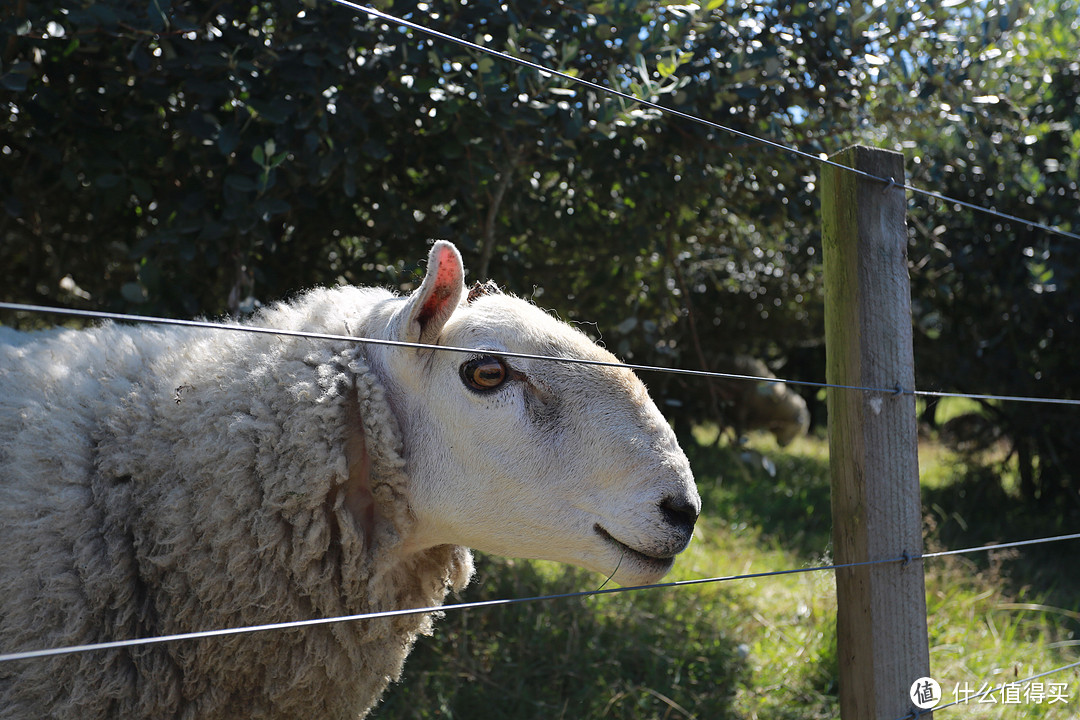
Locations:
column 157, row 481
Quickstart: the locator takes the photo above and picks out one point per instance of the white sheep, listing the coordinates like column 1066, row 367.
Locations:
column 751, row 405
column 158, row 481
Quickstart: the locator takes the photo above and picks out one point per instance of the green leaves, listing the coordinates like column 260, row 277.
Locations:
column 17, row 77
column 295, row 143
column 992, row 113
column 158, row 14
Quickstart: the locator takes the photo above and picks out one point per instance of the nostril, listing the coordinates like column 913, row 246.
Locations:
column 681, row 512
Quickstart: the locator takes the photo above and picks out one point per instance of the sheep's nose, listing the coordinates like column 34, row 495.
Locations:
column 681, row 511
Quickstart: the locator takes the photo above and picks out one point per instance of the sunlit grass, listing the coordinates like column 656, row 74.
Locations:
column 761, row 648
column 952, row 407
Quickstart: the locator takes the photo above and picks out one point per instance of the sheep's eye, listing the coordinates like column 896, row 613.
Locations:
column 484, row 373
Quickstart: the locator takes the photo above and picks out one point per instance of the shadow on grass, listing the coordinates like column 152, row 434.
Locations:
column 645, row 654
column 791, row 507
column 976, row 510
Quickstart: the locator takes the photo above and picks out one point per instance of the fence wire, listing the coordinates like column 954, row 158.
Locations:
column 905, row 558
column 916, row 714
column 295, row 624
column 824, row 160
column 206, row 324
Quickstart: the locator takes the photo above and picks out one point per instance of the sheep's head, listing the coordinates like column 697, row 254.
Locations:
column 525, row 457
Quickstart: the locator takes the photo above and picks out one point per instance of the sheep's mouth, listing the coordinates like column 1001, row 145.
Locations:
column 660, row 563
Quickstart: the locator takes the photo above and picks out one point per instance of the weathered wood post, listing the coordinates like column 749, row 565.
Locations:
column 873, row 445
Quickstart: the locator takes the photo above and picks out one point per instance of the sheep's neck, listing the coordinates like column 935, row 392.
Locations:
column 358, row 497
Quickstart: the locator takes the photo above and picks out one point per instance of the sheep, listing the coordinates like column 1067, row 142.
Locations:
column 167, row 480
column 762, row 405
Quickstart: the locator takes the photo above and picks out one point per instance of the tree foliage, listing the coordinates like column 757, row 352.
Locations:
column 186, row 157
column 190, row 157
column 993, row 119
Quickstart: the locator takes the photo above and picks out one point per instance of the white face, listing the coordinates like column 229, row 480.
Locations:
column 539, row 459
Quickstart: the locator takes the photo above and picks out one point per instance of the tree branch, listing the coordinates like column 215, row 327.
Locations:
column 506, row 174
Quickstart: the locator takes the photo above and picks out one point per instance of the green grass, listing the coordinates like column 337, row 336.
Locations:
column 761, row 648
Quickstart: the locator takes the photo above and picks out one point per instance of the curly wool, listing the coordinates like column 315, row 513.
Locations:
column 160, row 481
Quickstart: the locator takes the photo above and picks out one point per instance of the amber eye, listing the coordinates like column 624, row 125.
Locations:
column 484, row 373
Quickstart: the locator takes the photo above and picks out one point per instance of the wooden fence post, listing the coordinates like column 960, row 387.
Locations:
column 873, row 443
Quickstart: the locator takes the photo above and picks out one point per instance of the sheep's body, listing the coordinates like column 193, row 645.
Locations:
column 137, row 514
column 159, row 481
column 771, row 406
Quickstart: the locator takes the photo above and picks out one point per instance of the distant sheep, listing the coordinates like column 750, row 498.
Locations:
column 758, row 405
column 158, row 481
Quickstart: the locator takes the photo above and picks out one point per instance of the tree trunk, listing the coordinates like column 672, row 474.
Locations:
column 506, row 175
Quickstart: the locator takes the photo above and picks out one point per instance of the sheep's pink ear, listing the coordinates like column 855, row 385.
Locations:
column 432, row 304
